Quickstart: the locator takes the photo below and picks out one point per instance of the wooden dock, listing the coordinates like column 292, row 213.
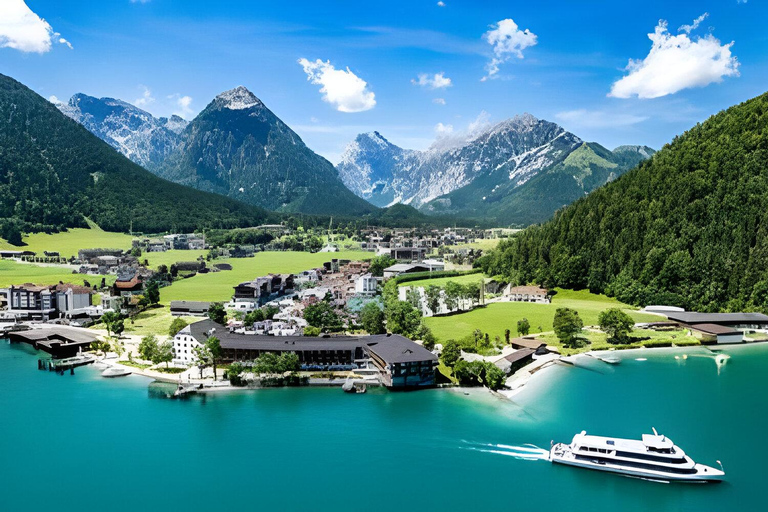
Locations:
column 62, row 365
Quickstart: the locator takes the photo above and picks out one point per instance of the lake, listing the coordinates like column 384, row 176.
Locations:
column 83, row 442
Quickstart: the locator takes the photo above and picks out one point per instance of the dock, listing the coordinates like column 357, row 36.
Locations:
column 61, row 365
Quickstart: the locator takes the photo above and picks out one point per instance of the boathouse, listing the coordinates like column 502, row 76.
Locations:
column 57, row 341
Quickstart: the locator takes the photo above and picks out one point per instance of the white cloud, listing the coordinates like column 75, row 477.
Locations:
column 508, row 41
column 23, row 30
column 436, row 81
column 442, row 4
column 584, row 118
column 481, row 122
column 146, row 98
column 183, row 103
column 140, row 1
column 341, row 88
column 443, row 129
column 676, row 63
column 439, row 101
column 55, row 100
column 693, row 26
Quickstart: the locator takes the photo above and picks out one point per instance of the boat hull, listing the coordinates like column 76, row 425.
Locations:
column 703, row 474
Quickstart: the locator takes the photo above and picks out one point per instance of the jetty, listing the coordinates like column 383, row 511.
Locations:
column 62, row 365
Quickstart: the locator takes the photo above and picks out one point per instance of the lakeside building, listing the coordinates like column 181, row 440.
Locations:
column 47, row 301
column 720, row 327
column 401, row 362
column 57, row 341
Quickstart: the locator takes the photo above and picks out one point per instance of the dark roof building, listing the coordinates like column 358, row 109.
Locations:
column 402, row 363
column 56, row 341
column 189, row 308
column 744, row 320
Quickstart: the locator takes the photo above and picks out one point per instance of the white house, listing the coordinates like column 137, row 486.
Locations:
column 187, row 339
column 366, row 285
column 526, row 294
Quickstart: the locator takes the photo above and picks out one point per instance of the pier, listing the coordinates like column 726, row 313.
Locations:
column 62, row 365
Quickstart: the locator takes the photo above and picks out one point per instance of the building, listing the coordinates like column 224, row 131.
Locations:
column 129, row 282
column 264, row 289
column 408, row 253
column 526, row 294
column 57, row 341
column 719, row 327
column 189, row 308
column 17, row 254
column 366, row 285
column 90, row 255
column 401, row 362
column 47, row 301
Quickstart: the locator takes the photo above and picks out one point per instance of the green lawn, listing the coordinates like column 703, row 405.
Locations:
column 12, row 272
column 69, row 242
column 497, row 317
column 441, row 281
column 598, row 340
column 218, row 286
column 152, row 321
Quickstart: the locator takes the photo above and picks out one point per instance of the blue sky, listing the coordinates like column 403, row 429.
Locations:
column 174, row 56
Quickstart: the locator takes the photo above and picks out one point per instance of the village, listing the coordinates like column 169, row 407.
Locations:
column 326, row 325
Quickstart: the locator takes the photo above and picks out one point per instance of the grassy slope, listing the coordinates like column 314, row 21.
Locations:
column 12, row 272
column 495, row 318
column 217, row 286
column 69, row 242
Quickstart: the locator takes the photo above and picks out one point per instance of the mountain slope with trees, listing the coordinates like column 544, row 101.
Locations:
column 54, row 173
column 688, row 227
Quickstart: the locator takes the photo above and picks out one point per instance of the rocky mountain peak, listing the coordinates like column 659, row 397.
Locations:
column 238, row 98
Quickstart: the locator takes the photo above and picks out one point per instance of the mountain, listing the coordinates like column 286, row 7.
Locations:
column 54, row 173
column 482, row 175
column 687, row 227
column 237, row 147
column 135, row 133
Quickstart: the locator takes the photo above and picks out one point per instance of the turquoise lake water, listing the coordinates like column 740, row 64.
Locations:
column 83, row 442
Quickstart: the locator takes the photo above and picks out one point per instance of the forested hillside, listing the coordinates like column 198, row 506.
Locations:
column 54, row 172
column 688, row 227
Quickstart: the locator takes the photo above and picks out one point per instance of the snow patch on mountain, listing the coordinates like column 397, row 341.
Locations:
column 238, row 98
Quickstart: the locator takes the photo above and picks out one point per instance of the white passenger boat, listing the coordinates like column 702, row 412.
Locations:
column 115, row 371
column 655, row 457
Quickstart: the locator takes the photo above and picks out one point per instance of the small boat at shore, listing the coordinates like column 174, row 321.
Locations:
column 655, row 458
column 115, row 371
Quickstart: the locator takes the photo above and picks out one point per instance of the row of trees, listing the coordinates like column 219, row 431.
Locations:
column 451, row 296
column 568, row 325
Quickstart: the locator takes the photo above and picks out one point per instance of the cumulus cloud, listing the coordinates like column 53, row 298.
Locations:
column 146, row 98
column 439, row 101
column 55, row 100
column 443, row 129
column 676, row 63
column 442, row 4
column 584, row 118
column 436, row 81
column 183, row 104
column 508, row 41
column 23, row 30
column 341, row 88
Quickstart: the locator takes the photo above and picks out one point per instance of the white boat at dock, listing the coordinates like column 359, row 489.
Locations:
column 655, row 457
column 115, row 371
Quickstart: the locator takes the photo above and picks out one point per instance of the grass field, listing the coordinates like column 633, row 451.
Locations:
column 598, row 340
column 69, row 242
column 12, row 272
column 441, row 281
column 153, row 321
column 495, row 318
column 217, row 286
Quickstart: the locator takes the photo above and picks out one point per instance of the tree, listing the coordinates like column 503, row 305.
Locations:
column 289, row 362
column 152, row 292
column 257, row 315
column 214, row 347
column 217, row 313
column 148, row 347
column 472, row 292
column 177, row 325
column 323, row 316
column 476, row 373
column 164, row 354
column 453, row 293
column 118, row 327
column 379, row 263
column 372, row 318
column 402, row 318
column 270, row 311
column 413, row 296
column 451, row 353
column 567, row 325
column 433, row 294
column 109, row 318
column 616, row 323
column 424, row 334
column 523, row 327
column 203, row 357
column 506, row 336
column 494, row 376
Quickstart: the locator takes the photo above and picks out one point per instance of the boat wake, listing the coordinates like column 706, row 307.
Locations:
column 524, row 452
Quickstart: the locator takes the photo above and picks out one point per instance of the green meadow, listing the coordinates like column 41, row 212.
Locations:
column 218, row 286
column 495, row 318
column 12, row 272
column 67, row 243
column 441, row 281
